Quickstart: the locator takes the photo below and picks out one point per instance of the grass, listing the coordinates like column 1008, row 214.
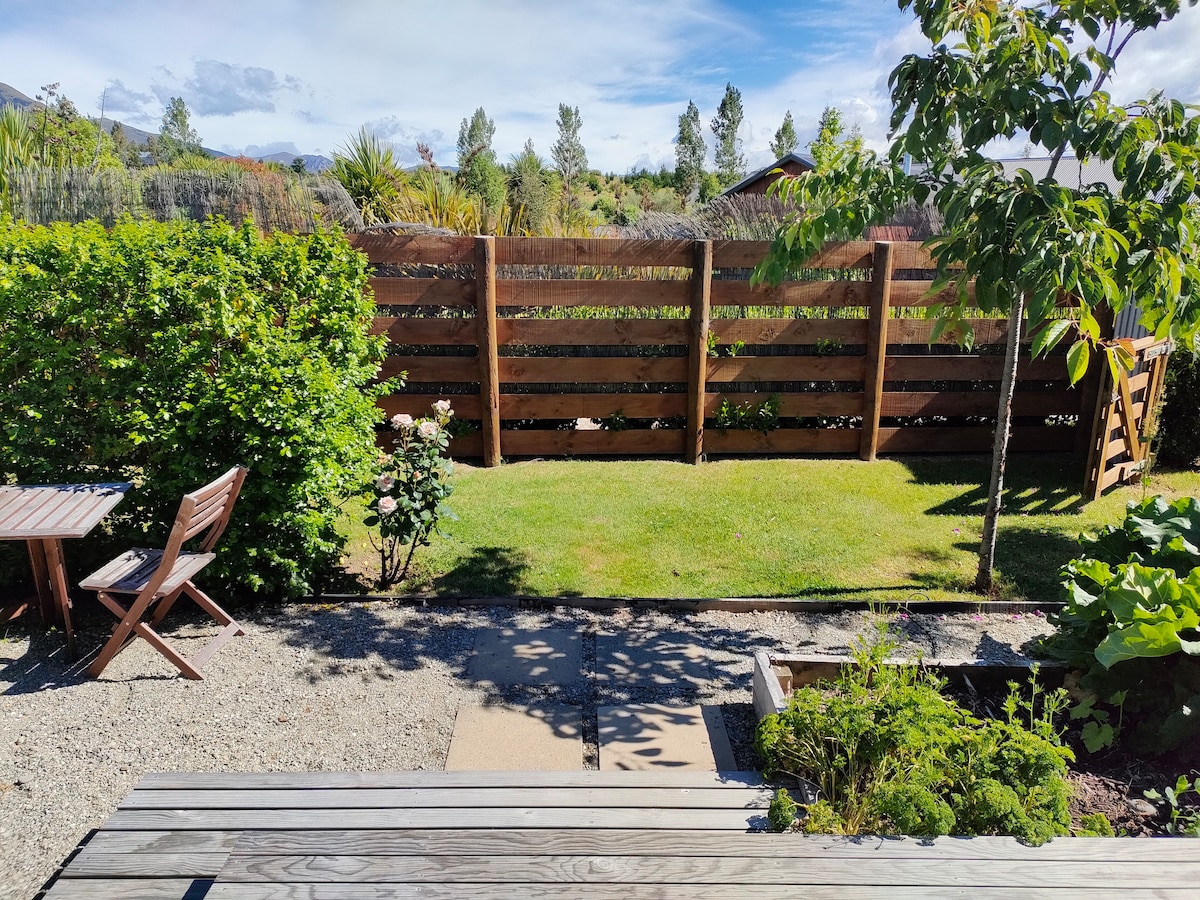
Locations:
column 758, row 528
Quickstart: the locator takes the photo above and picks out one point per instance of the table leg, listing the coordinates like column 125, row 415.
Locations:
column 50, row 578
column 41, row 581
column 58, row 584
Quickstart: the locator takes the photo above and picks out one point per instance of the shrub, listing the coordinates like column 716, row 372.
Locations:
column 1131, row 623
column 892, row 755
column 409, row 488
column 1179, row 422
column 163, row 353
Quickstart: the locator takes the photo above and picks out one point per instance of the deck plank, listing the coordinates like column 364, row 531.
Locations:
column 426, row 798
column 1030, row 874
column 261, row 819
column 91, row 863
column 248, row 781
column 394, row 891
column 131, row 889
column 630, row 842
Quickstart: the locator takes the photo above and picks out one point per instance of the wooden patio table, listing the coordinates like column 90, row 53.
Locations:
column 42, row 515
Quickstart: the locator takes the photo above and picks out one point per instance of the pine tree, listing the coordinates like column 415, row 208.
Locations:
column 478, row 172
column 177, row 138
column 475, row 138
column 825, row 144
column 689, row 153
column 528, row 189
column 731, row 164
column 569, row 157
column 785, row 137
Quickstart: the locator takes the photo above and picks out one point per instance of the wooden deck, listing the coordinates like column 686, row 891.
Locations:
column 557, row 834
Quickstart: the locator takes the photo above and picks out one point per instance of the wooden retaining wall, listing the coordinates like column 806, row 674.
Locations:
column 849, row 361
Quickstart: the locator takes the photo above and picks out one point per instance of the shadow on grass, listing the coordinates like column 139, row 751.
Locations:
column 1035, row 484
column 1029, row 559
column 486, row 572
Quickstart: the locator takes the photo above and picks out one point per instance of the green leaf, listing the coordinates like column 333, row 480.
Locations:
column 1045, row 340
column 1078, row 358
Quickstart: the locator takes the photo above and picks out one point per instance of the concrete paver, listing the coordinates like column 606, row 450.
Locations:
column 652, row 736
column 546, row 737
column 634, row 659
column 540, row 656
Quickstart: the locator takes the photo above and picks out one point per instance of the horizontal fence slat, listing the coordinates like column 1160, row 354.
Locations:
column 535, row 251
column 789, row 331
column 397, row 291
column 467, row 445
column 918, row 331
column 591, row 406
column 591, row 292
column 587, row 332
column 915, row 293
column 785, row 440
column 787, row 368
column 846, row 255
column 824, row 403
column 641, row 442
column 977, row 403
column 590, row 370
column 428, row 249
column 970, row 368
column 973, row 439
column 454, row 332
column 465, row 406
column 436, row 369
column 792, row 293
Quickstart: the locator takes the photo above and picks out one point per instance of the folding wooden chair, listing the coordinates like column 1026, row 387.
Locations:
column 156, row 578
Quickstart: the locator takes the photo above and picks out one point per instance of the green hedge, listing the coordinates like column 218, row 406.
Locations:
column 1179, row 423
column 164, row 353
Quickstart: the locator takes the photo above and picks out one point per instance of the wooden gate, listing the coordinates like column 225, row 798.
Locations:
column 1120, row 442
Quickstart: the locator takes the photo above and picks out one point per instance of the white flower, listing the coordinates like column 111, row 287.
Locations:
column 402, row 421
column 442, row 408
column 387, row 506
column 427, row 429
column 385, row 483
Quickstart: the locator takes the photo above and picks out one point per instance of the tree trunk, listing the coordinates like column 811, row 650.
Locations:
column 1008, row 383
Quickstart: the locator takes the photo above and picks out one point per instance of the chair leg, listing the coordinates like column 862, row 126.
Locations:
column 123, row 631
column 206, row 603
column 188, row 669
column 164, row 607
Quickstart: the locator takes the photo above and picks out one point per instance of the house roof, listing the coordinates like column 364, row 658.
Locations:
column 805, row 161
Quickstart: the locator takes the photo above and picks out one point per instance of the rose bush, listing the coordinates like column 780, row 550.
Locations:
column 409, row 490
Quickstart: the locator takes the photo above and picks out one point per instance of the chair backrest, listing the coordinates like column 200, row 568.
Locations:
column 207, row 508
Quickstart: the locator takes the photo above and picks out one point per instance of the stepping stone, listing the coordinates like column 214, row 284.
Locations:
column 631, row 659
column 650, row 736
column 545, row 737
column 539, row 656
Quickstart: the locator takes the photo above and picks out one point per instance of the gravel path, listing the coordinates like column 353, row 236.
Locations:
column 349, row 687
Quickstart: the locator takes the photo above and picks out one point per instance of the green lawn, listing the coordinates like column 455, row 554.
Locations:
column 758, row 528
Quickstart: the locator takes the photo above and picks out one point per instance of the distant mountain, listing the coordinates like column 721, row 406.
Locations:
column 9, row 95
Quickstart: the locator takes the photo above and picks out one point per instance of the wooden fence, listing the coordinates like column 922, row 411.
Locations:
column 1124, row 419
column 842, row 357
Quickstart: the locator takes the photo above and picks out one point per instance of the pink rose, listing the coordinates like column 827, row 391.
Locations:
column 427, row 429
column 385, row 483
column 387, row 506
column 402, row 421
column 442, row 408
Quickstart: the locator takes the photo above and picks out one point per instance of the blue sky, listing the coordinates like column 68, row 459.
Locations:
column 302, row 75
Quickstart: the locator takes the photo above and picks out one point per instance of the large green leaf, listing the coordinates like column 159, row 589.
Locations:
column 1142, row 639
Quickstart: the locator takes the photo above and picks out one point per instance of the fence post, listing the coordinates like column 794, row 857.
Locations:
column 489, row 352
column 698, row 349
column 877, row 328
